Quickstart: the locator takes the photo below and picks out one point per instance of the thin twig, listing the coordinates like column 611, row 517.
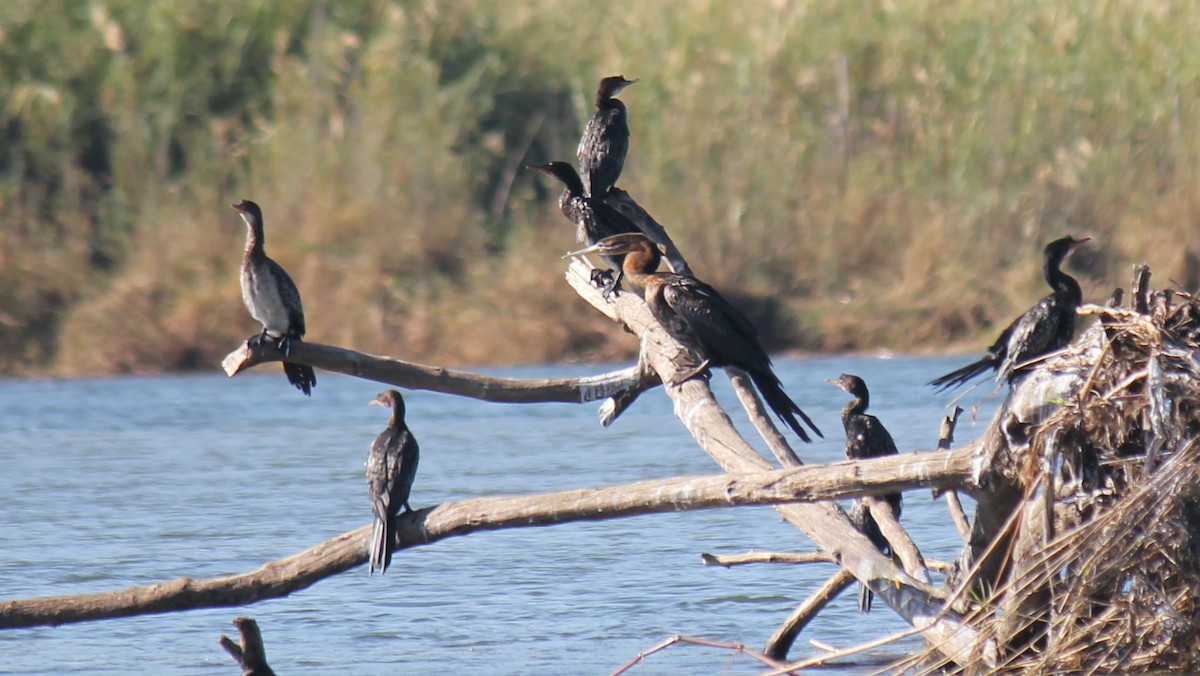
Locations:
column 736, row 647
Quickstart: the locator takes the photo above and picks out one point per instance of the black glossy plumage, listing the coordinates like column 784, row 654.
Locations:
column 391, row 469
column 712, row 329
column 866, row 437
column 594, row 219
column 1047, row 326
column 271, row 297
column 605, row 141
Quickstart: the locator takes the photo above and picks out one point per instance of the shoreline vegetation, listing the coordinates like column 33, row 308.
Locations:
column 859, row 177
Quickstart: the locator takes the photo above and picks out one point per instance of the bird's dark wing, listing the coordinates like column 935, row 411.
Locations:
column 383, row 471
column 728, row 336
column 1031, row 335
column 290, row 296
column 866, row 437
column 602, row 150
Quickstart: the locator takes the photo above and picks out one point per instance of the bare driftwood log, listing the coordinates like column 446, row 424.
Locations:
column 626, row 383
column 912, row 598
column 428, row 525
column 251, row 656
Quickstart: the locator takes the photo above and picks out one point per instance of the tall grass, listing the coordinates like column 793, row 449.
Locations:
column 858, row 175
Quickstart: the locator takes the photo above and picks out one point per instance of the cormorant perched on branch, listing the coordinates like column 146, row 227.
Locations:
column 271, row 297
column 866, row 437
column 1046, row 327
column 593, row 218
column 715, row 332
column 391, row 468
column 605, row 141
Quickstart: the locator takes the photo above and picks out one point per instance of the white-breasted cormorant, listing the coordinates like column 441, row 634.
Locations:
column 391, row 468
column 605, row 141
column 714, row 331
column 1046, row 327
column 271, row 297
column 866, row 437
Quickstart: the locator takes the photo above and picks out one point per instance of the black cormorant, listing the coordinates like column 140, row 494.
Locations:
column 593, row 218
column 391, row 468
column 271, row 297
column 1046, row 327
column 605, row 141
column 866, row 437
column 715, row 332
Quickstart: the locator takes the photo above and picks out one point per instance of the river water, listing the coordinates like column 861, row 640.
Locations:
column 108, row 483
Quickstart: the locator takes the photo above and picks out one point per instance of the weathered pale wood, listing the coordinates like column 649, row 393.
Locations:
column 729, row 560
column 902, row 545
column 624, row 203
column 626, row 383
column 761, row 419
column 825, row 523
column 251, row 656
column 424, row 526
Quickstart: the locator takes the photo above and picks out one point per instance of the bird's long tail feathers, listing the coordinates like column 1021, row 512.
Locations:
column 379, row 550
column 303, row 377
column 783, row 406
column 865, row 596
column 955, row 378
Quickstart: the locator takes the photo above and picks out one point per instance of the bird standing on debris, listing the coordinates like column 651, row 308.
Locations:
column 713, row 331
column 391, row 469
column 866, row 437
column 271, row 297
column 1047, row 326
column 605, row 141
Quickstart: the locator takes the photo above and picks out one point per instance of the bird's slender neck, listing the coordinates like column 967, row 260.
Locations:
column 1061, row 282
column 857, row 406
column 570, row 178
column 607, row 102
column 254, row 237
column 641, row 263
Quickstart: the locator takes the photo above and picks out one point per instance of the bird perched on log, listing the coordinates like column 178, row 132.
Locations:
column 605, row 141
column 391, row 469
column 1047, row 326
column 271, row 297
column 713, row 331
column 593, row 218
column 866, row 437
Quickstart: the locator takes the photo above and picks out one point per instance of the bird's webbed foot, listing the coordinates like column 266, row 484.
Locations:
column 607, row 280
column 259, row 340
column 284, row 344
column 689, row 368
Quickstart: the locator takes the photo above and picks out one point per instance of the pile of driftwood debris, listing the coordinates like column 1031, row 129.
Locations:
column 1085, row 555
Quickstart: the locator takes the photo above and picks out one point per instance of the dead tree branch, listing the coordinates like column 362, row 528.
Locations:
column 784, row 638
column 284, row 576
column 623, row 385
column 730, row 560
column 251, row 656
column 825, row 523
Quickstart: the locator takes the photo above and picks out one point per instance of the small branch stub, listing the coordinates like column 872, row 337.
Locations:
column 250, row 655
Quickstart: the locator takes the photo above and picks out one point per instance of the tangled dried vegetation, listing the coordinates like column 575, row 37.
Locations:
column 1101, row 573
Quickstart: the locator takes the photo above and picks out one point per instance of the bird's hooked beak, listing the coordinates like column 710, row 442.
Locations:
column 625, row 84
column 539, row 168
column 1079, row 242
column 378, row 401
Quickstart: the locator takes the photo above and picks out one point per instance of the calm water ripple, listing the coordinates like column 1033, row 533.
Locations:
column 115, row 482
